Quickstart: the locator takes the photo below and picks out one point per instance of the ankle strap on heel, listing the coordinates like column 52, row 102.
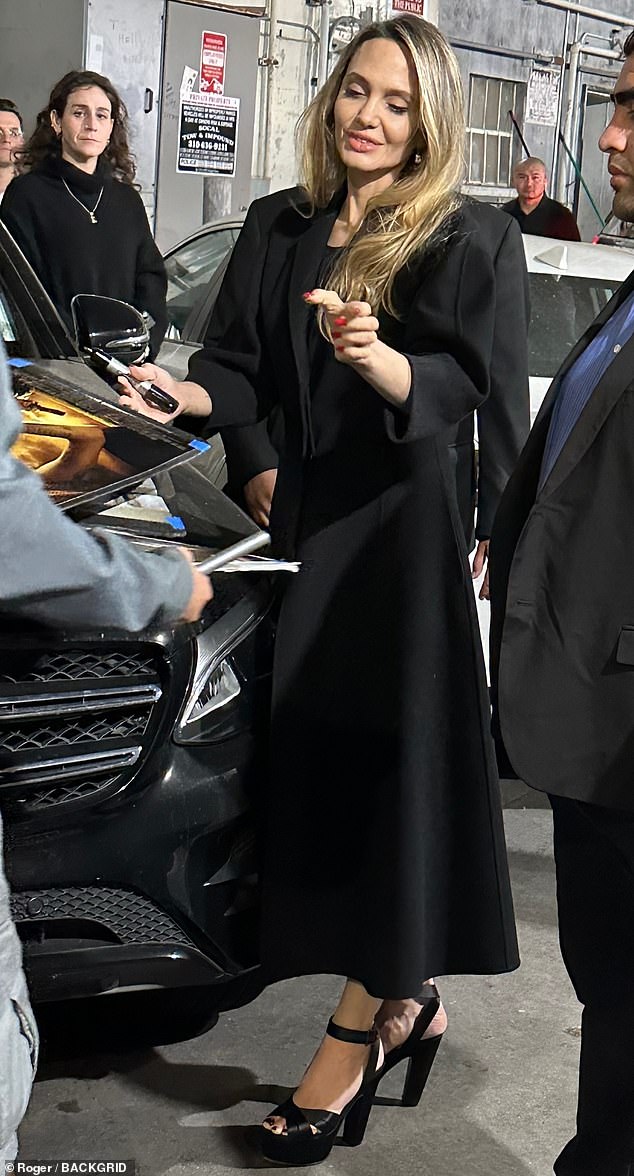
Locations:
column 352, row 1036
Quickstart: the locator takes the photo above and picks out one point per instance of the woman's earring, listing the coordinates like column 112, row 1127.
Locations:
column 418, row 159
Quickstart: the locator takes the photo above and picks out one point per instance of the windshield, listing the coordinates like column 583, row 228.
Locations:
column 562, row 308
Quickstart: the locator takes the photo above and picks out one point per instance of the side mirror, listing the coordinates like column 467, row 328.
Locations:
column 106, row 324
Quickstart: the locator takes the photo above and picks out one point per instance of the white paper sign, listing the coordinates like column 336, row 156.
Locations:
column 542, row 96
column 188, row 80
column 208, row 134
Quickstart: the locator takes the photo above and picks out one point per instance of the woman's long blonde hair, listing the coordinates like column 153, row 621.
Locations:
column 404, row 217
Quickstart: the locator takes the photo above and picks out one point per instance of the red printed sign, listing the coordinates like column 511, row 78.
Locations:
column 415, row 6
column 213, row 57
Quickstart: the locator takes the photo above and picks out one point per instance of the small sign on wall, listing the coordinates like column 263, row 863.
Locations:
column 213, row 60
column 208, row 134
column 542, row 96
column 417, row 7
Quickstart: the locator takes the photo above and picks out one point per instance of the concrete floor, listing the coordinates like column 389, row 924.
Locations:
column 500, row 1100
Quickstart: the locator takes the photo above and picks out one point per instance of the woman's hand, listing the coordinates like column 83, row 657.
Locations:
column 258, row 495
column 354, row 329
column 353, row 326
column 191, row 397
column 480, row 562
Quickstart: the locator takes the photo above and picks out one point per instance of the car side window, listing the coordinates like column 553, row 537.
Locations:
column 562, row 308
column 190, row 268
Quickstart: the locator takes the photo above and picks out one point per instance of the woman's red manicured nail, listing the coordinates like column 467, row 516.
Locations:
column 336, row 334
column 341, row 321
column 308, row 294
column 339, row 347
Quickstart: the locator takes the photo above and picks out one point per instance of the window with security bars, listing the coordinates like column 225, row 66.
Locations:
column 492, row 148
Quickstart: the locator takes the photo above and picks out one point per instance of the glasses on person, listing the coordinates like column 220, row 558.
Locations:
column 11, row 133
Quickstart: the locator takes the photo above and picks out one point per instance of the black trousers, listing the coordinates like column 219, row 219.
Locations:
column 594, row 857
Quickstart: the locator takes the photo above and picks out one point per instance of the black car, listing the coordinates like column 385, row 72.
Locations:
column 128, row 764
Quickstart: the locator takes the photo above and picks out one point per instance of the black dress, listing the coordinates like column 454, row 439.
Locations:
column 384, row 856
column 364, row 839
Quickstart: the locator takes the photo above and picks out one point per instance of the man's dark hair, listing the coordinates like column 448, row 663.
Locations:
column 10, row 108
column 628, row 47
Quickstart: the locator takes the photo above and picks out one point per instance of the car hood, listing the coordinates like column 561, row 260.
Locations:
column 544, row 255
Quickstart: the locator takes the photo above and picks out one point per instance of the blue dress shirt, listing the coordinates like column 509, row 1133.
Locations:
column 582, row 378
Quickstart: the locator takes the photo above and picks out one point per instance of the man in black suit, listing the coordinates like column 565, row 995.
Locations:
column 562, row 587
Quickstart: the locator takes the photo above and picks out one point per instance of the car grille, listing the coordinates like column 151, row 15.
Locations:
column 126, row 916
column 74, row 722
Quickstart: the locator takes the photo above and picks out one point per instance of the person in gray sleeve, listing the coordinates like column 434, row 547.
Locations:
column 56, row 573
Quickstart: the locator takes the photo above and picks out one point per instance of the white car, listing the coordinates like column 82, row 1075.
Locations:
column 570, row 282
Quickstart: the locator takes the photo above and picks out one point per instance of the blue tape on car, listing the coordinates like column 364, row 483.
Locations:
column 176, row 522
column 201, row 445
column 15, row 362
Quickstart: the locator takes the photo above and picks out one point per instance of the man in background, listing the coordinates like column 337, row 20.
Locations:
column 11, row 140
column 533, row 210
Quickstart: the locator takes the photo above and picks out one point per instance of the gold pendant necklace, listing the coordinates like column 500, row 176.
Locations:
column 89, row 211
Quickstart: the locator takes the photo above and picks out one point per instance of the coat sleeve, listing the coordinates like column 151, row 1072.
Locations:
column 54, row 572
column 233, row 364
column 150, row 286
column 449, row 336
column 504, row 418
column 249, row 450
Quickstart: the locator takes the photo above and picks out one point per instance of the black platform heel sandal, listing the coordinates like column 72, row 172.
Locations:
column 418, row 1050
column 300, row 1144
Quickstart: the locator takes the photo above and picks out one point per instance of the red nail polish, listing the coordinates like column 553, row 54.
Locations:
column 339, row 347
column 341, row 321
column 336, row 334
column 308, row 294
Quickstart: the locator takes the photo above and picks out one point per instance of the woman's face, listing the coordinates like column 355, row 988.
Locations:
column 375, row 112
column 85, row 126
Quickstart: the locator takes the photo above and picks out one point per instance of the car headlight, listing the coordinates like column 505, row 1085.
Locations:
column 216, row 686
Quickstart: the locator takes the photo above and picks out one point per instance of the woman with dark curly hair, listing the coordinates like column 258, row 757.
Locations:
column 75, row 213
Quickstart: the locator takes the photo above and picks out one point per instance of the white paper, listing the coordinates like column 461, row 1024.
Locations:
column 259, row 563
column 94, row 57
column 188, row 80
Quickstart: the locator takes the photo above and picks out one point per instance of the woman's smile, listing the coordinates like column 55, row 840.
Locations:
column 358, row 142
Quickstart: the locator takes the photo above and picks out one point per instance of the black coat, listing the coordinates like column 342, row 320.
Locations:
column 116, row 257
column 562, row 578
column 503, row 422
column 384, row 852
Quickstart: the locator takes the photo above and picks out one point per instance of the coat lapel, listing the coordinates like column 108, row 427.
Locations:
column 306, row 259
column 308, row 254
column 611, row 386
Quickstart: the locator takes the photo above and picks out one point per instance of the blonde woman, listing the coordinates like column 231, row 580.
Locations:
column 369, row 303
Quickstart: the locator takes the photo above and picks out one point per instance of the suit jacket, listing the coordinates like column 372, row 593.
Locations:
column 562, row 584
column 503, row 418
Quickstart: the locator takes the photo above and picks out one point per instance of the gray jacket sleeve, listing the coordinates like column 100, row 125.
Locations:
column 54, row 572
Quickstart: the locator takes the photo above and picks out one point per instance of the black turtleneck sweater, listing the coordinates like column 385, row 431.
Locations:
column 116, row 257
